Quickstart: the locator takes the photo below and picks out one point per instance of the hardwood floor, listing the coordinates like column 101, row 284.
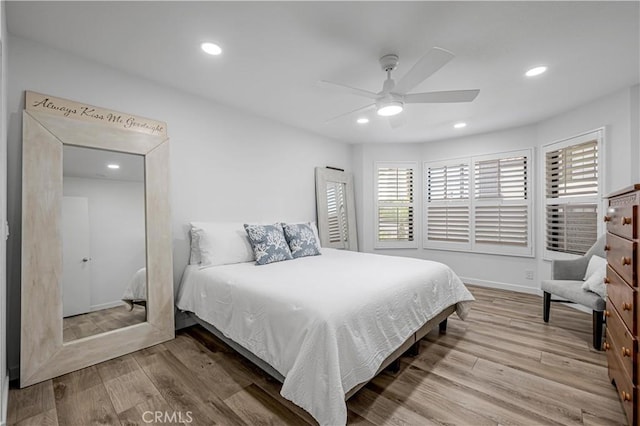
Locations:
column 503, row 365
column 79, row 326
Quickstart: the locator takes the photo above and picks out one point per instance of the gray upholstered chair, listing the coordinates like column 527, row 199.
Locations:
column 566, row 282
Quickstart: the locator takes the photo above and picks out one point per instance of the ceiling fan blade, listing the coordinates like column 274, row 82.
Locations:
column 398, row 120
column 350, row 112
column 431, row 62
column 348, row 89
column 442, row 97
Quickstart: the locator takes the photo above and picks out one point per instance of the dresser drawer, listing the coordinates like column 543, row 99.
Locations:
column 623, row 221
column 626, row 390
column 625, row 342
column 621, row 256
column 623, row 297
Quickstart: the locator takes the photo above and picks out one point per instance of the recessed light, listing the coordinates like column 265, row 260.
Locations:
column 113, row 166
column 460, row 125
column 211, row 48
column 362, row 120
column 535, row 71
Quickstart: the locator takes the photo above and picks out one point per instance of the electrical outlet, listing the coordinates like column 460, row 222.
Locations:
column 528, row 275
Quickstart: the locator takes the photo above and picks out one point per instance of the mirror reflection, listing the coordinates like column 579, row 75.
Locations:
column 337, row 215
column 103, row 241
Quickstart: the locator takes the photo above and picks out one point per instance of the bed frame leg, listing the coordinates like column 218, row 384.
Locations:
column 394, row 367
column 414, row 350
column 443, row 326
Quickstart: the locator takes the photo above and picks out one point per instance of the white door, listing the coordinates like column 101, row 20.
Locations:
column 76, row 257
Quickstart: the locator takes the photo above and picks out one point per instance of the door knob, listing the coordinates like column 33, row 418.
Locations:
column 86, row 259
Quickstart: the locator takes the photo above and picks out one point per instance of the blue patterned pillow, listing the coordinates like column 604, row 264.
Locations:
column 268, row 242
column 302, row 240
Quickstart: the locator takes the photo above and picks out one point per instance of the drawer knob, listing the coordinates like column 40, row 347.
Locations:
column 626, row 396
column 625, row 260
column 627, row 306
column 607, row 314
column 626, row 351
column 606, row 280
column 606, row 346
column 625, row 220
column 607, row 218
column 607, row 247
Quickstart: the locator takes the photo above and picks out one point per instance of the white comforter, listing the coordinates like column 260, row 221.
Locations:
column 325, row 322
column 137, row 288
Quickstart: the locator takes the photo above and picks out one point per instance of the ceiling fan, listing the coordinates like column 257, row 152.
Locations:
column 390, row 101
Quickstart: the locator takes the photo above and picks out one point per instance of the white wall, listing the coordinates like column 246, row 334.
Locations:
column 225, row 165
column 116, row 234
column 617, row 113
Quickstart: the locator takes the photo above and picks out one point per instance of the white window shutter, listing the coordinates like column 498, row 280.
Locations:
column 572, row 192
column 395, row 205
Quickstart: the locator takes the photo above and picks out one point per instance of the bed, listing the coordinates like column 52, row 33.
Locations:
column 323, row 325
column 136, row 291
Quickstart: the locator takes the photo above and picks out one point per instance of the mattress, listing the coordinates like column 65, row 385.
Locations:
column 327, row 322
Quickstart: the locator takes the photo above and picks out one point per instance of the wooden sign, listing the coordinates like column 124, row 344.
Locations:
column 83, row 112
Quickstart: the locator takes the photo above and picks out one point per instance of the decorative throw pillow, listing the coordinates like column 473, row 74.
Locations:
column 301, row 239
column 595, row 263
column 268, row 242
column 594, row 279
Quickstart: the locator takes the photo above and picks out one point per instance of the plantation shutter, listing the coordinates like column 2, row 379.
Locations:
column 572, row 192
column 448, row 206
column 572, row 171
column 395, row 204
column 501, row 212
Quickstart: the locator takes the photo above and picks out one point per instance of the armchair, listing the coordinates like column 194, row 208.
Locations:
column 566, row 282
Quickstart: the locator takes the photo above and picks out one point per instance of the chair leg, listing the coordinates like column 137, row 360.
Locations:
column 598, row 320
column 546, row 306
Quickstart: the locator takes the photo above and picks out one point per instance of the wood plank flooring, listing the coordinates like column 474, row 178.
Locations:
column 84, row 325
column 503, row 365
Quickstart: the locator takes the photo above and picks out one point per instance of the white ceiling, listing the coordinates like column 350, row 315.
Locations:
column 275, row 52
column 92, row 164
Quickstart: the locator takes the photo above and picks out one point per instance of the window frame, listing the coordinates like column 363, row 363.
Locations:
column 472, row 203
column 377, row 244
column 599, row 134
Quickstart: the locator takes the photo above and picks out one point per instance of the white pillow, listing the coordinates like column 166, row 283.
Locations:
column 195, row 257
column 595, row 263
column 222, row 243
column 594, row 278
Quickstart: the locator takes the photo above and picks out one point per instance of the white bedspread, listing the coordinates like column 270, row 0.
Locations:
column 137, row 288
column 325, row 322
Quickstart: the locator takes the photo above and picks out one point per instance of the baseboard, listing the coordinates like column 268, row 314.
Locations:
column 107, row 305
column 502, row 286
column 5, row 400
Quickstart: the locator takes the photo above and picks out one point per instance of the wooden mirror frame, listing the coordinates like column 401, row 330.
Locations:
column 48, row 123
column 323, row 176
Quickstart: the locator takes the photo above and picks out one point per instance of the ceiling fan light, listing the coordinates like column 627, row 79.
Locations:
column 390, row 108
column 536, row 71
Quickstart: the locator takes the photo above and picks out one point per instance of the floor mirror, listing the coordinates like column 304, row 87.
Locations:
column 97, row 278
column 335, row 208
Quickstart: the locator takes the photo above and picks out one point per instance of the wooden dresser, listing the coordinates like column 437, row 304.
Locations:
column 622, row 312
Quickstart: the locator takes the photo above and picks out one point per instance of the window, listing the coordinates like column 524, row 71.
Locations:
column 501, row 202
column 447, row 194
column 572, row 194
column 480, row 204
column 395, row 205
